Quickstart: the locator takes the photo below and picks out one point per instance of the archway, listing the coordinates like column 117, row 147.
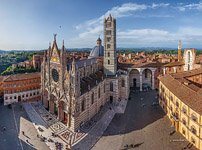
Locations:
column 52, row 105
column 134, row 79
column 146, row 79
column 19, row 98
column 63, row 114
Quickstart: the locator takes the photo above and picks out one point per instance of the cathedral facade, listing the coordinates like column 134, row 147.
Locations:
column 76, row 90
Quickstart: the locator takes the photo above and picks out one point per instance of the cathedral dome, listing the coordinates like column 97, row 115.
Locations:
column 98, row 50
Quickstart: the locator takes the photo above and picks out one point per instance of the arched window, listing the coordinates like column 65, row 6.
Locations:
column 123, row 83
column 111, row 86
column 83, row 105
column 108, row 62
column 92, row 98
column 108, row 54
column 99, row 92
column 146, row 73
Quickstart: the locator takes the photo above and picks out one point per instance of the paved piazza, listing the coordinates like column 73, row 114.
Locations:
column 143, row 125
column 16, row 120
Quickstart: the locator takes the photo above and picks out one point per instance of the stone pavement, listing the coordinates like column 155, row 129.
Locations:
column 84, row 139
column 38, row 122
column 144, row 126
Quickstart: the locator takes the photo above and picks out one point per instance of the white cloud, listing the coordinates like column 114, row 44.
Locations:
column 91, row 29
column 154, row 5
column 192, row 6
column 156, row 37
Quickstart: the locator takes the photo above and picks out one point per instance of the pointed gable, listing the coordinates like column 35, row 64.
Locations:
column 55, row 54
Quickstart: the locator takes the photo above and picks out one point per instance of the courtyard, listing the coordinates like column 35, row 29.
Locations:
column 143, row 126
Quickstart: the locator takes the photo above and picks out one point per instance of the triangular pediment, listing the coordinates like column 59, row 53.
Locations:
column 55, row 54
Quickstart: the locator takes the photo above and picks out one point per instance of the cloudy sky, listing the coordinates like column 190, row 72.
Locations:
column 30, row 24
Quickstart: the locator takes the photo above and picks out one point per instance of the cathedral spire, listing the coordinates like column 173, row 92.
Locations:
column 63, row 46
column 179, row 53
column 73, row 65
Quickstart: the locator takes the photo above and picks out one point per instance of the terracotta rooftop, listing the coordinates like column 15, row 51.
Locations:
column 1, row 78
column 24, row 76
column 188, row 92
column 141, row 65
column 172, row 64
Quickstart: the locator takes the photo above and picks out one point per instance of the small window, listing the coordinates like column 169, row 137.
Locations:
column 184, row 110
column 177, row 104
column 194, row 118
column 193, row 130
column 184, row 121
column 108, row 54
column 83, row 105
column 111, row 87
column 123, row 83
column 108, row 62
column 99, row 92
column 183, row 131
column 108, row 46
column 92, row 98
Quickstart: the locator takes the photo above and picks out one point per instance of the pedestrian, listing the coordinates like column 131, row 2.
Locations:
column 4, row 128
column 23, row 133
column 27, row 141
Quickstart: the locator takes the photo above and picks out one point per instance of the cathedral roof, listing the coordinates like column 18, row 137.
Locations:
column 91, row 81
column 97, row 51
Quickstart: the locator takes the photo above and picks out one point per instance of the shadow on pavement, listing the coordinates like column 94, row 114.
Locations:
column 139, row 113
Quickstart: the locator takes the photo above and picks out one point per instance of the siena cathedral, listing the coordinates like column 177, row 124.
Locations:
column 75, row 90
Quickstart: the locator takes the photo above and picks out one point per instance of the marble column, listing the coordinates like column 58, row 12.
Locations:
column 140, row 80
column 153, row 81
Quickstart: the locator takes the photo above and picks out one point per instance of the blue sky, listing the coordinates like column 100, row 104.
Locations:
column 30, row 24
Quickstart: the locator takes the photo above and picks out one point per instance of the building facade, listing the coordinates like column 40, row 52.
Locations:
column 185, row 63
column 77, row 90
column 180, row 96
column 21, row 88
column 37, row 61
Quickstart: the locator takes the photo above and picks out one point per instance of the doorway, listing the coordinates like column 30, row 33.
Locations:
column 65, row 118
column 19, row 98
column 111, row 99
column 55, row 109
column 134, row 82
